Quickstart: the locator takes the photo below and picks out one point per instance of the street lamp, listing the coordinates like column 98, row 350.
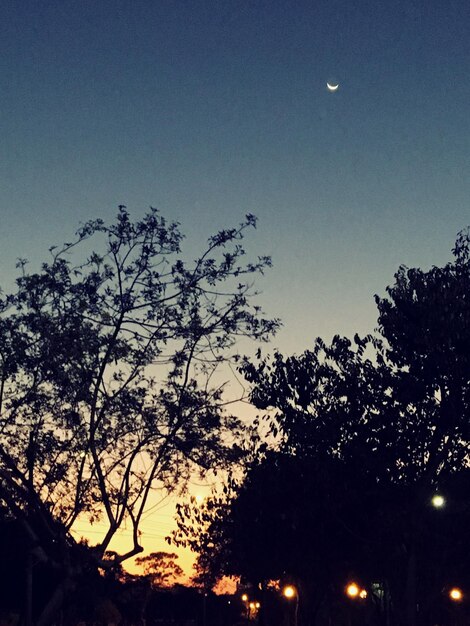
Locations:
column 251, row 608
column 353, row 590
column 291, row 592
column 438, row 501
column 455, row 594
column 245, row 600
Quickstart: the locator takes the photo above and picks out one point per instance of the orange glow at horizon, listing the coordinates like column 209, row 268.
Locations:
column 156, row 525
column 158, row 522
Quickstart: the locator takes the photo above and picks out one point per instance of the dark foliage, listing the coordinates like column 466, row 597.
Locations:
column 367, row 430
column 108, row 385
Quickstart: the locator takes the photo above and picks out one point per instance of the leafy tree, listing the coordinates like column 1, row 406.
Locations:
column 425, row 324
column 161, row 568
column 108, row 385
column 371, row 428
column 401, row 394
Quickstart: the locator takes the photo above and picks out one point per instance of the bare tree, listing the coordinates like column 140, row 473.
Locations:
column 107, row 378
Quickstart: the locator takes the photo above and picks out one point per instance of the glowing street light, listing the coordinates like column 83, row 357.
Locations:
column 455, row 594
column 353, row 590
column 291, row 592
column 245, row 600
column 251, row 608
column 438, row 501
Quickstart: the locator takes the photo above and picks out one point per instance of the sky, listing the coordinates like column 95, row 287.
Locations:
column 212, row 109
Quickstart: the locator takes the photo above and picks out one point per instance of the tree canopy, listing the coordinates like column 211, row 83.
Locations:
column 367, row 430
column 108, row 386
column 161, row 568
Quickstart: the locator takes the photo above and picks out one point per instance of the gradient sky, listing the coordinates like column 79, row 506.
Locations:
column 209, row 110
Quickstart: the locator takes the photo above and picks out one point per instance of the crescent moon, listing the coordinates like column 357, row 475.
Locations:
column 332, row 87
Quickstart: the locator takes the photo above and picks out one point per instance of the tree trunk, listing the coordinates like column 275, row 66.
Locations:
column 410, row 591
column 56, row 602
column 28, row 612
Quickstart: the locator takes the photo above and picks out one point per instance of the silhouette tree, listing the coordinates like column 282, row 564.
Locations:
column 107, row 379
column 161, row 568
column 369, row 430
